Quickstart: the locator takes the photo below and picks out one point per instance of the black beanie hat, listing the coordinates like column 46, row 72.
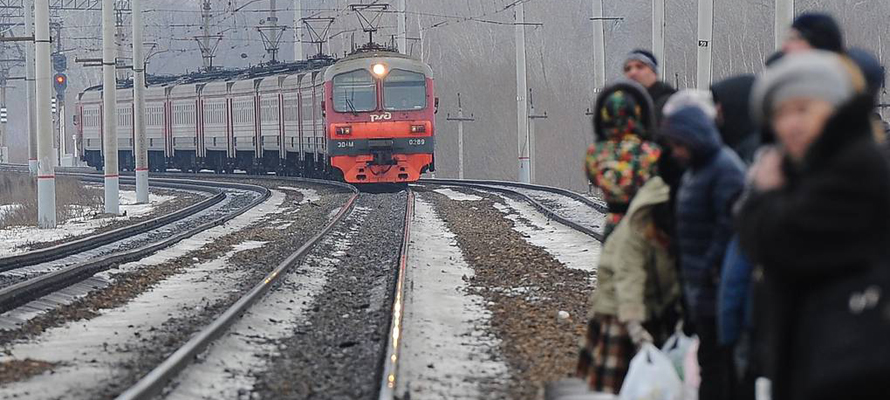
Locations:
column 820, row 31
column 871, row 69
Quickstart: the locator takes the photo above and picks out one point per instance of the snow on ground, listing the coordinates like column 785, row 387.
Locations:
column 309, row 195
column 226, row 370
column 13, row 238
column 458, row 196
column 572, row 248
column 444, row 354
column 273, row 205
column 90, row 351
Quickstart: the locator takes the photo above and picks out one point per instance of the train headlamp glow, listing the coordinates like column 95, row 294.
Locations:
column 379, row 70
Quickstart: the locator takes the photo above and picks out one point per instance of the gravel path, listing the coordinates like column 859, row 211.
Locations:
column 525, row 287
column 335, row 350
column 105, row 341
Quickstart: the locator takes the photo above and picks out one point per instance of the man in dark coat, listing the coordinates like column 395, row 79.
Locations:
column 814, row 31
column 642, row 67
column 733, row 117
column 818, row 216
column 713, row 180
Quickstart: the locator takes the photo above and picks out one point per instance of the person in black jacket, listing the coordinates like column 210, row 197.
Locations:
column 713, row 180
column 819, row 216
column 733, row 117
column 642, row 66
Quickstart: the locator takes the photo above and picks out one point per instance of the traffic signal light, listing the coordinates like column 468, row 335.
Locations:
column 60, row 62
column 60, row 82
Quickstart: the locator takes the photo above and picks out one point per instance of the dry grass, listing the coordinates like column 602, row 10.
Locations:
column 73, row 199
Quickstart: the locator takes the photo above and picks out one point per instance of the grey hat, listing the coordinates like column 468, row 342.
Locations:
column 644, row 57
column 814, row 74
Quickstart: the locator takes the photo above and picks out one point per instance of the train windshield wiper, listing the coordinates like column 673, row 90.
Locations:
column 350, row 105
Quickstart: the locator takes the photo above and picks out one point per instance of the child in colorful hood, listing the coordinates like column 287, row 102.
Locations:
column 622, row 158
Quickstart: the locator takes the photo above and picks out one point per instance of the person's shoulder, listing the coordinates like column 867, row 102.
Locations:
column 661, row 89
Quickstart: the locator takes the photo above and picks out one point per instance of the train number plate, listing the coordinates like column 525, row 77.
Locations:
column 416, row 142
column 345, row 144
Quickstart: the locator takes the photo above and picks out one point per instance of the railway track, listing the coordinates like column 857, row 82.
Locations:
column 159, row 378
column 31, row 275
column 569, row 208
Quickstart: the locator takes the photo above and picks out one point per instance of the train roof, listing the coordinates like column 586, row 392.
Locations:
column 366, row 59
column 226, row 75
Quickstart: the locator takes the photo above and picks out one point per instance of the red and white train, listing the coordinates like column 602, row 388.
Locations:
column 367, row 118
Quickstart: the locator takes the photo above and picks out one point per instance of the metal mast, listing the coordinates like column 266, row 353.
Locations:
column 207, row 42
column 521, row 99
column 271, row 32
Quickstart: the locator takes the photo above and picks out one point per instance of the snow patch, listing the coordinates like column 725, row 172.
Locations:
column 12, row 239
column 445, row 351
column 572, row 248
column 458, row 196
column 309, row 195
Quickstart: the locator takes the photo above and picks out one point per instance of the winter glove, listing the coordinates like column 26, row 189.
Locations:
column 638, row 334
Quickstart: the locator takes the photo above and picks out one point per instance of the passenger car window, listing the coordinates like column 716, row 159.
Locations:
column 404, row 91
column 355, row 91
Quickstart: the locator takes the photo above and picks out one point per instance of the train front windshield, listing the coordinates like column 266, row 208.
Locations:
column 355, row 91
column 404, row 91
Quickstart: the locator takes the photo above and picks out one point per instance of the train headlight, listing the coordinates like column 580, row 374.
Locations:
column 418, row 128
column 344, row 130
column 379, row 70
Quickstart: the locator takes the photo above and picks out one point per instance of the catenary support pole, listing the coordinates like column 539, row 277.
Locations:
column 705, row 33
column 298, row 30
column 140, row 150
column 46, row 176
column 31, row 87
column 109, row 116
column 460, row 135
column 599, row 47
column 784, row 18
column 658, row 33
column 521, row 99
column 532, row 117
column 402, row 36
column 4, row 150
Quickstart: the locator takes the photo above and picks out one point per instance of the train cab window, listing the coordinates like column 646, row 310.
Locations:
column 404, row 91
column 355, row 91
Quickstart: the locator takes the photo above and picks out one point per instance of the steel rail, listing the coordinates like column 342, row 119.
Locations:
column 154, row 382
column 393, row 344
column 94, row 241
column 504, row 187
column 23, row 292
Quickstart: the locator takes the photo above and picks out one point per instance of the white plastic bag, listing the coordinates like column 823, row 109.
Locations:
column 651, row 376
column 675, row 348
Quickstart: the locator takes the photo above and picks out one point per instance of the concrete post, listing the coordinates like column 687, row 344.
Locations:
column 139, row 148
column 599, row 47
column 109, row 117
column 46, row 176
column 784, row 18
column 705, row 33
column 31, row 88
column 298, row 30
column 658, row 33
column 521, row 99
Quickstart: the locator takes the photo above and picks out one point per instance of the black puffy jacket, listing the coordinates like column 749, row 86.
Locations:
column 707, row 190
